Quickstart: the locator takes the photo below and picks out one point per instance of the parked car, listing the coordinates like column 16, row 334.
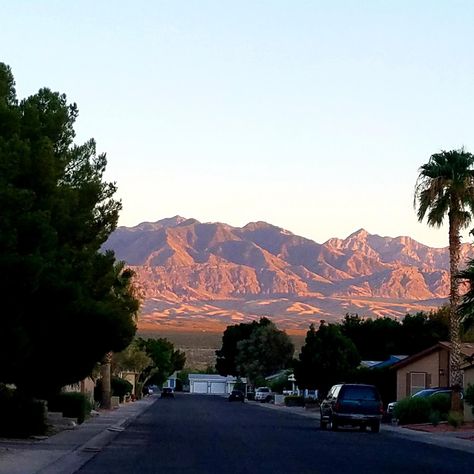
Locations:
column 167, row 393
column 352, row 405
column 236, row 396
column 263, row 394
column 426, row 392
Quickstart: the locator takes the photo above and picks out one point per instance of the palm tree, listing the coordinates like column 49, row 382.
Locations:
column 445, row 186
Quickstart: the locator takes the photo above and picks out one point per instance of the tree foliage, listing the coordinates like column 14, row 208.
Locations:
column 165, row 359
column 378, row 339
column 64, row 302
column 265, row 352
column 132, row 358
column 326, row 358
column 226, row 363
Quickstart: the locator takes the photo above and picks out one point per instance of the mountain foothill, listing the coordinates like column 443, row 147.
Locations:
column 204, row 276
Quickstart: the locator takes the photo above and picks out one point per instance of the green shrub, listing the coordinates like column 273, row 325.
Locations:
column 71, row 404
column 455, row 419
column 435, row 418
column 441, row 403
column 412, row 410
column 294, row 401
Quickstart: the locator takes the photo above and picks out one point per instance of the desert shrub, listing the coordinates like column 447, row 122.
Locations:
column 455, row 419
column 20, row 416
column 441, row 403
column 71, row 404
column 294, row 401
column 412, row 410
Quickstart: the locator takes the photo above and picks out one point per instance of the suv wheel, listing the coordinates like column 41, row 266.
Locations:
column 334, row 425
column 375, row 427
column 323, row 425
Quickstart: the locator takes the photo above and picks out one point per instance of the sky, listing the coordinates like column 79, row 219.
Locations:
column 314, row 116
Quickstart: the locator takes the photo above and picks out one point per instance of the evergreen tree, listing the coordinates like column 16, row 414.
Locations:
column 65, row 304
column 327, row 357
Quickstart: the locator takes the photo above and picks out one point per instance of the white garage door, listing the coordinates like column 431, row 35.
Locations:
column 218, row 387
column 200, row 387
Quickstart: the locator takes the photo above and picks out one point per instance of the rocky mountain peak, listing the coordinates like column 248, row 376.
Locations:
column 179, row 259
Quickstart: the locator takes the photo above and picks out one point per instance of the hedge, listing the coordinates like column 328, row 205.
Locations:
column 72, row 405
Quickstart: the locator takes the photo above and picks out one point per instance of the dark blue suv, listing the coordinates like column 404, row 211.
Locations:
column 352, row 405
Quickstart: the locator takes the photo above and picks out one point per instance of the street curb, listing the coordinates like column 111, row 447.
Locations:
column 446, row 441
column 71, row 461
column 22, row 460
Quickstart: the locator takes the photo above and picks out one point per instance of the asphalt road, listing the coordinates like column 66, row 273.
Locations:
column 207, row 434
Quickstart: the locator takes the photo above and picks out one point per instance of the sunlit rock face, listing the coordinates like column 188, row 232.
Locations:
column 183, row 260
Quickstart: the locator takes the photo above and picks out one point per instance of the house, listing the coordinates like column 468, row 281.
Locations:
column 85, row 386
column 171, row 381
column 428, row 368
column 213, row 384
column 132, row 377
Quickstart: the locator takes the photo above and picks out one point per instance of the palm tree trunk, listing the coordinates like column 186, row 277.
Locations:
column 454, row 298
column 105, row 376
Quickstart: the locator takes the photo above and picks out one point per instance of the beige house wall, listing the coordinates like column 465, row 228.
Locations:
column 85, row 386
column 429, row 365
column 468, row 379
column 130, row 377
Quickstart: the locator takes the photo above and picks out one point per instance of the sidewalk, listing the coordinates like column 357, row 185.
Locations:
column 67, row 451
column 453, row 439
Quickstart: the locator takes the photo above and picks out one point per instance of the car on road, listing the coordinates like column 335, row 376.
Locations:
column 236, row 396
column 263, row 394
column 425, row 393
column 352, row 405
column 167, row 393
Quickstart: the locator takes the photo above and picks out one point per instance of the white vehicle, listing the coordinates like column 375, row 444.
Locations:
column 263, row 394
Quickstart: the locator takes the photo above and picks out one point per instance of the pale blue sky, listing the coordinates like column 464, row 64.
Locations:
column 311, row 115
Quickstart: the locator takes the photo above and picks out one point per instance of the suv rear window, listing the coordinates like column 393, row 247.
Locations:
column 360, row 393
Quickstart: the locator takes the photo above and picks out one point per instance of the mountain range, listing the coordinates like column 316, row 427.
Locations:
column 204, row 276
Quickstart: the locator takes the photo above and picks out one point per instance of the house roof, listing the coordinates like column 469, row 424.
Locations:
column 215, row 378
column 380, row 364
column 467, row 350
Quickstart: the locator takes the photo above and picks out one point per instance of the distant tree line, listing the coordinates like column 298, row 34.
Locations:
column 332, row 352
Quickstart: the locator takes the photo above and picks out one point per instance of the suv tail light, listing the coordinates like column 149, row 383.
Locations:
column 381, row 408
column 337, row 407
